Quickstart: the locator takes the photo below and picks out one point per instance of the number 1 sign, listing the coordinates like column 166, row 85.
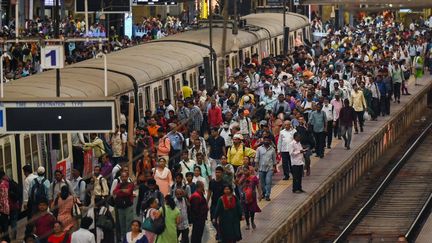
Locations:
column 52, row 57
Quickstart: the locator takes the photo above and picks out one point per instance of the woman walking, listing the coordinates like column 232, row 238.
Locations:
column 172, row 218
column 228, row 216
column 249, row 185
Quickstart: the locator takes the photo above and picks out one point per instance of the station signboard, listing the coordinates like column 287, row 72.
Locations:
column 58, row 116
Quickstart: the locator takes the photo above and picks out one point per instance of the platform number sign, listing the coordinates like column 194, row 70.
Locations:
column 52, row 57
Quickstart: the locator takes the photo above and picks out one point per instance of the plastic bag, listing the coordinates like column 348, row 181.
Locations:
column 367, row 116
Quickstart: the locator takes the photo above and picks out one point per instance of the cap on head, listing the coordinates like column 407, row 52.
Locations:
column 41, row 170
column 238, row 136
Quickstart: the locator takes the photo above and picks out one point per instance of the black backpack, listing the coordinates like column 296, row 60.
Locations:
column 15, row 191
column 38, row 192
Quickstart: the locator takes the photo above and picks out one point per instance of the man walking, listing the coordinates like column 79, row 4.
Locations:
column 199, row 211
column 285, row 138
column 297, row 159
column 347, row 118
column 318, row 120
column 265, row 161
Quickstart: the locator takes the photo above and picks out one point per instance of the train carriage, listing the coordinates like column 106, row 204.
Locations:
column 143, row 74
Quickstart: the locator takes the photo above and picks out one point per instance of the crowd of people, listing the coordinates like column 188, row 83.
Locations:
column 25, row 57
column 211, row 155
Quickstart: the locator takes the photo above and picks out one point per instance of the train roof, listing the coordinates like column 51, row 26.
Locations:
column 149, row 62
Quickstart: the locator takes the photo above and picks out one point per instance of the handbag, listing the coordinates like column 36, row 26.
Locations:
column 76, row 211
column 104, row 222
column 156, row 226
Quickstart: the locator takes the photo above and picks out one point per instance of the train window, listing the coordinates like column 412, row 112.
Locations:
column 195, row 77
column 184, row 76
column 8, row 159
column 160, row 92
column 1, row 158
column 167, row 89
column 140, row 104
column 147, row 97
column 27, row 150
column 156, row 97
column 65, row 146
column 192, row 82
column 35, row 151
column 276, row 47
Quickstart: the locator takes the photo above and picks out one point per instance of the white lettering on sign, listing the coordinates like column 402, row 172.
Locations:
column 21, row 104
column 51, row 104
column 77, row 103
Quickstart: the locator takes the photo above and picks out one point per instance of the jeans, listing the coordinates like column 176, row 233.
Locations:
column 266, row 181
column 360, row 118
column 397, row 91
column 286, row 163
column 320, row 143
column 197, row 231
column 184, row 235
column 336, row 129
column 125, row 216
column 375, row 103
column 297, row 177
column 346, row 134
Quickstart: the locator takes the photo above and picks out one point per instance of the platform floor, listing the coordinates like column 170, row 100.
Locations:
column 284, row 202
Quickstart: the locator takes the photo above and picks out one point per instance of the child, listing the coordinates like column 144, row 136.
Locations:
column 190, row 183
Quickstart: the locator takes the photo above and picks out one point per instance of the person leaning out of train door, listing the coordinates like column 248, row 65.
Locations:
column 58, row 182
column 96, row 144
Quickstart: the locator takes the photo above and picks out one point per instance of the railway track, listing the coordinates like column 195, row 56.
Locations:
column 401, row 198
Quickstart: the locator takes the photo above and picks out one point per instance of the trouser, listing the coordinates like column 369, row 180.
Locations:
column 184, row 235
column 4, row 224
column 375, row 103
column 346, row 134
column 125, row 216
column 405, row 87
column 286, row 163
column 266, row 181
column 213, row 216
column 213, row 164
column 174, row 158
column 383, row 102
column 306, row 156
column 329, row 132
column 197, row 231
column 360, row 118
column 336, row 129
column 13, row 218
column 320, row 143
column 387, row 106
column 297, row 177
column 397, row 91
column 249, row 216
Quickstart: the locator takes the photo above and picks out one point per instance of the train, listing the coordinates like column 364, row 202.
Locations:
column 143, row 74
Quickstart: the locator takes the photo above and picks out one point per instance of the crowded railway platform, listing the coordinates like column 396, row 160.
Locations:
column 262, row 153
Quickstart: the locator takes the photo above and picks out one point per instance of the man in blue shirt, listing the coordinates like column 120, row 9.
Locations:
column 176, row 139
column 318, row 120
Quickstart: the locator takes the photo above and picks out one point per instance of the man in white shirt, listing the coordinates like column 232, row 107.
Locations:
column 286, row 136
column 187, row 165
column 83, row 235
column 297, row 161
column 29, row 177
column 328, row 109
column 79, row 186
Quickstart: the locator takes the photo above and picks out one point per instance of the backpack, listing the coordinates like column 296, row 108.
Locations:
column 38, row 192
column 15, row 191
